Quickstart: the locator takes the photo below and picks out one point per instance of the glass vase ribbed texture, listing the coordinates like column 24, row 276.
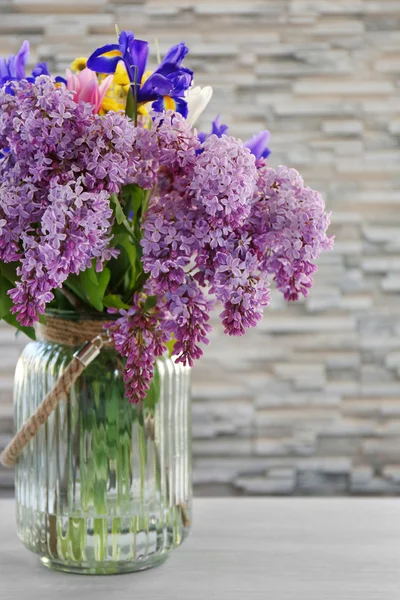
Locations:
column 105, row 486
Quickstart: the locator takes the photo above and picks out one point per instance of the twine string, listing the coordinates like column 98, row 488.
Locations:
column 70, row 333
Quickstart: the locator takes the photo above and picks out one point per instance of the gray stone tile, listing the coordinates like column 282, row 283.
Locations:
column 318, row 381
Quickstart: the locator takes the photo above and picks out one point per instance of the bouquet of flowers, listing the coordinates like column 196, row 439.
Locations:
column 112, row 202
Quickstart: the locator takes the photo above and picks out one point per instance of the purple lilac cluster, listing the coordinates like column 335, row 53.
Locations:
column 139, row 335
column 224, row 180
column 59, row 165
column 220, row 223
column 194, row 241
column 74, row 230
column 236, row 223
column 173, row 147
column 288, row 226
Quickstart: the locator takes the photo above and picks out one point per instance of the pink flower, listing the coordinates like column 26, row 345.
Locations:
column 87, row 89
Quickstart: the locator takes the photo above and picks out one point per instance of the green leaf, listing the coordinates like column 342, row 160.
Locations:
column 118, row 210
column 5, row 306
column 133, row 196
column 170, row 346
column 102, row 281
column 12, row 320
column 130, row 105
column 90, row 286
column 61, row 302
column 91, row 273
column 74, row 285
column 95, row 291
column 153, row 395
column 131, row 252
column 5, row 300
column 127, row 269
column 141, row 280
column 9, row 271
column 114, row 301
column 126, row 266
column 121, row 218
column 150, row 303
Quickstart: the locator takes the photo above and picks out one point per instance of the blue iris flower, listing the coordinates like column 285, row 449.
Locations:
column 217, row 129
column 165, row 87
column 40, row 69
column 258, row 144
column 13, row 67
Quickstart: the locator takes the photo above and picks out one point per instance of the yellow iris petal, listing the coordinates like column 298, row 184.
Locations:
column 112, row 53
column 121, row 76
column 146, row 75
column 79, row 64
column 169, row 103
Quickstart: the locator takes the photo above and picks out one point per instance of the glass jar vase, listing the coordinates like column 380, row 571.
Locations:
column 105, row 486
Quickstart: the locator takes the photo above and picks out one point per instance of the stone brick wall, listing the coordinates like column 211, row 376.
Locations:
column 310, row 402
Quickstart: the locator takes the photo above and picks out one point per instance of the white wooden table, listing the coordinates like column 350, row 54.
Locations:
column 241, row 549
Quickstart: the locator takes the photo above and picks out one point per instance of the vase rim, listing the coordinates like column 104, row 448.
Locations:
column 72, row 315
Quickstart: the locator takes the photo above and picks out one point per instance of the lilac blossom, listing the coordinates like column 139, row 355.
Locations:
column 224, row 180
column 75, row 229
column 139, row 335
column 288, row 225
column 189, row 315
column 52, row 141
column 217, row 224
column 200, row 228
column 174, row 147
column 230, row 243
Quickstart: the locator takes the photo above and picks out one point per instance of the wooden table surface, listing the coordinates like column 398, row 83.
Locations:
column 241, row 549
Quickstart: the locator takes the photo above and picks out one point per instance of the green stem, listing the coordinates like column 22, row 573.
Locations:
column 135, row 95
column 142, row 452
column 72, row 299
column 147, row 197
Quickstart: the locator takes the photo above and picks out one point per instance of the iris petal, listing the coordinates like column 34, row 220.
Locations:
column 181, row 106
column 40, row 69
column 105, row 64
column 156, row 85
column 20, row 61
column 170, row 68
column 11, row 66
column 218, row 128
column 125, row 37
column 175, row 54
column 3, row 68
column 167, row 103
column 165, row 87
column 258, row 144
column 202, row 136
column 181, row 79
column 136, row 56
